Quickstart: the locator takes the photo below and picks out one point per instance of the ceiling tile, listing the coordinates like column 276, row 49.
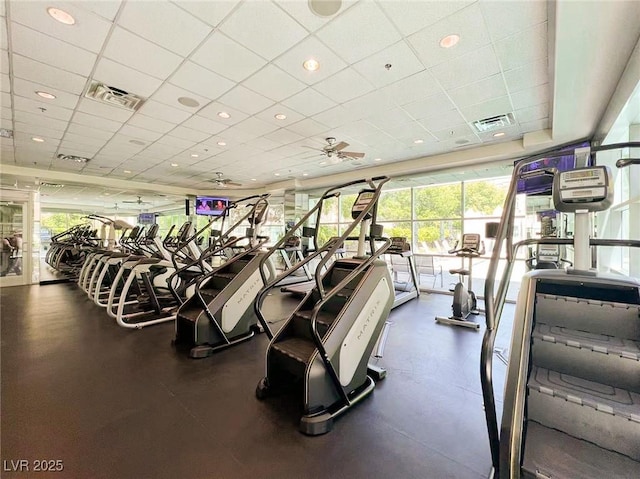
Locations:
column 467, row 69
column 344, row 86
column 108, row 112
column 4, row 45
column 359, row 32
column 152, row 124
column 105, row 8
column 245, row 100
column 37, row 130
column 410, row 17
column 430, row 106
column 96, row 120
column 283, row 136
column 273, row 83
column 532, row 113
column 162, row 151
column 5, row 114
column 5, row 84
column 265, row 144
column 370, row 104
column 523, row 47
column 393, row 117
column 535, row 125
column 139, row 133
column 453, row 132
column 530, row 97
column 29, row 69
column 310, row 47
column 308, row 102
column 269, row 115
column 140, row 54
column 51, row 51
column 506, row 18
column 165, row 24
column 205, row 125
column 81, row 139
column 483, row 90
column 28, row 89
column 4, row 61
column 125, row 78
column 232, row 137
column 212, row 109
column 356, row 130
column 88, row 132
column 227, row 58
column 253, row 25
column 402, row 61
column 69, row 148
column 527, row 76
column 169, row 94
column 337, row 116
column 255, row 126
column 210, row 11
column 89, row 31
column 468, row 23
column 177, row 142
column 418, row 86
column 443, row 120
column 159, row 111
column 33, row 106
column 303, row 14
column 308, row 127
column 494, row 107
column 199, row 80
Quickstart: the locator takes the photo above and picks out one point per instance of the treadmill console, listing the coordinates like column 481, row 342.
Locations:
column 548, row 253
column 399, row 245
column 362, row 201
column 583, row 189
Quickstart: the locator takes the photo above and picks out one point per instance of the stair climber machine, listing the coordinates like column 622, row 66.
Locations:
column 322, row 351
column 572, row 394
column 220, row 313
column 407, row 290
column 464, row 299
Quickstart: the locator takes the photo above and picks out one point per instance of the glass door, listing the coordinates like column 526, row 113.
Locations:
column 14, row 258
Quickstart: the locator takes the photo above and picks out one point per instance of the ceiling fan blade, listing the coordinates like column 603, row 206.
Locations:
column 352, row 154
column 340, row 146
column 128, row 201
column 233, row 183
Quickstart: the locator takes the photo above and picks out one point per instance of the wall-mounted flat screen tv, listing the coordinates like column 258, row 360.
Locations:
column 211, row 205
column 147, row 219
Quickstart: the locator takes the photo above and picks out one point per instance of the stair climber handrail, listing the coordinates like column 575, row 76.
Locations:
column 335, row 379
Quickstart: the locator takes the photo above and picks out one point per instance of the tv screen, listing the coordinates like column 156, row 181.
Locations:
column 211, row 206
column 147, row 218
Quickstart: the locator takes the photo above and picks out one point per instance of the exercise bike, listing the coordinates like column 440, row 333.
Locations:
column 464, row 299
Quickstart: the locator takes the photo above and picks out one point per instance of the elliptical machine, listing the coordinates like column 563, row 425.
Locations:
column 464, row 299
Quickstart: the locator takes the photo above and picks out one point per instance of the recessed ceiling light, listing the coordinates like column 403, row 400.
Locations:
column 325, row 8
column 37, row 139
column 127, row 171
column 174, row 164
column 27, row 186
column 190, row 102
column 305, row 174
column 449, row 41
column 311, row 65
column 223, row 114
column 322, row 163
column 47, row 95
column 277, row 174
column 106, row 194
column 280, row 116
column 253, row 179
column 499, row 134
column 61, row 16
column 222, row 143
column 194, row 155
column 417, row 142
column 377, row 159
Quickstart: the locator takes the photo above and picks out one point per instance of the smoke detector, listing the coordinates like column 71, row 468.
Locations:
column 114, row 96
column 493, row 123
column 77, row 159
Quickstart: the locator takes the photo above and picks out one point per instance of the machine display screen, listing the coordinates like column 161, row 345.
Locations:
column 211, row 206
column 147, row 218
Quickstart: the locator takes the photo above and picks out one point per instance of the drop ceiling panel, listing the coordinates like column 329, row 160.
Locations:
column 467, row 69
column 523, row 47
column 356, row 39
column 125, row 78
column 177, row 142
column 370, row 104
column 336, row 116
column 538, row 112
column 140, row 133
column 530, row 97
column 483, row 90
column 344, row 86
column 394, row 117
column 291, row 62
column 89, row 31
column 268, row 115
column 189, row 134
column 535, row 125
column 454, row 132
column 169, row 94
column 77, row 149
column 255, row 126
column 89, row 132
column 410, row 17
column 105, row 8
column 161, row 151
column 233, row 137
column 51, row 51
column 405, row 134
column 494, row 107
column 33, row 106
column 263, row 28
column 38, row 119
column 103, row 110
column 303, row 14
column 245, row 100
column 95, row 121
column 444, row 119
column 81, row 139
column 309, row 102
column 29, row 69
column 468, row 23
column 403, row 63
column 212, row 109
column 506, row 18
column 5, row 113
column 308, row 127
column 283, row 136
column 527, row 76
column 205, row 125
column 165, row 24
column 28, row 89
column 227, row 58
column 129, row 49
column 273, row 83
column 199, row 80
column 4, row 45
column 210, row 11
column 431, row 106
column 152, row 124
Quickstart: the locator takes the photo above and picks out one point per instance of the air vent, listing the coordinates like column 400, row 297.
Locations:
column 77, row 159
column 4, row 133
column 493, row 123
column 51, row 185
column 114, row 96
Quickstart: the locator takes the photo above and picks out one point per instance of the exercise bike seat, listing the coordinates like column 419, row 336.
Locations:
column 463, row 272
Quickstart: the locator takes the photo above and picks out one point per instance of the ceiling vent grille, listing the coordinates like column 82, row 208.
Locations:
column 114, row 96
column 51, row 185
column 493, row 123
column 5, row 133
column 77, row 159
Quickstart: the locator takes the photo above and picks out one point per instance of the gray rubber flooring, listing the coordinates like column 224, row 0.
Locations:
column 115, row 403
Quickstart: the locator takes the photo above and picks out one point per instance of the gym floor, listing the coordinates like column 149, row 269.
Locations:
column 115, row 403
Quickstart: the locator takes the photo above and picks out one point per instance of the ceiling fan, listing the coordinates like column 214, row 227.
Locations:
column 335, row 151
column 138, row 201
column 224, row 182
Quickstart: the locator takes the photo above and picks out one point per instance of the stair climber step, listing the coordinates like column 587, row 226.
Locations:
column 302, row 323
column 549, row 453
column 225, row 275
column 299, row 349
column 593, row 356
column 190, row 311
column 599, row 413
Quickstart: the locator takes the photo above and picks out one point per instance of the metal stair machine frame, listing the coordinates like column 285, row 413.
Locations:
column 220, row 313
column 322, row 351
column 572, row 394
